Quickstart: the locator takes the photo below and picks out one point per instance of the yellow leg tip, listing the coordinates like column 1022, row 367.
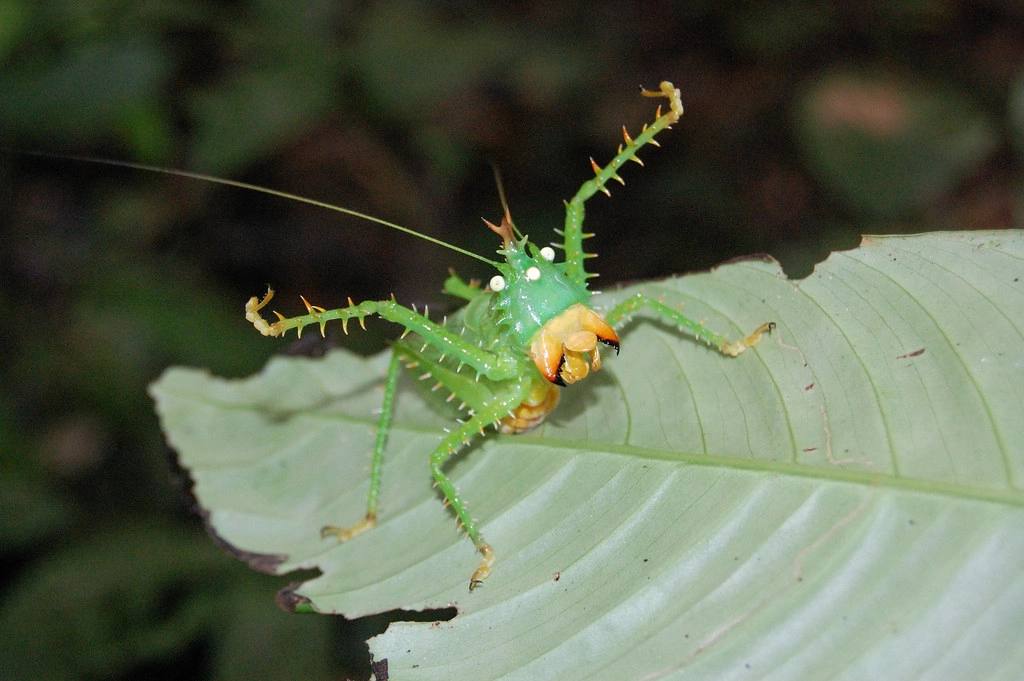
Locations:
column 484, row 570
column 735, row 348
column 253, row 316
column 755, row 338
column 343, row 534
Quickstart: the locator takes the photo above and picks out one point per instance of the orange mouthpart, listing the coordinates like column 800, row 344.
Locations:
column 565, row 349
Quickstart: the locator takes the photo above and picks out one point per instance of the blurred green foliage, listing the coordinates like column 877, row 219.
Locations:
column 131, row 599
column 888, row 146
column 806, row 125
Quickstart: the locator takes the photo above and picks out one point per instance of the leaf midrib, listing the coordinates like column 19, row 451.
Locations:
column 1007, row 497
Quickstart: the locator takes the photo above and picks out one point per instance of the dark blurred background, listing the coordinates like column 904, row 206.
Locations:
column 806, row 126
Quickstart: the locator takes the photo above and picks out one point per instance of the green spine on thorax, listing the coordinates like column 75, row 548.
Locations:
column 526, row 304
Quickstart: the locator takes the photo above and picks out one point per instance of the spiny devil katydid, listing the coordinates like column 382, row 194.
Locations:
column 527, row 334
column 518, row 340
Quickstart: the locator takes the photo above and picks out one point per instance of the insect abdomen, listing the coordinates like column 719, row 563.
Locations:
column 534, row 409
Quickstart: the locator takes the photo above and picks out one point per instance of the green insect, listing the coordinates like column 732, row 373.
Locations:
column 520, row 339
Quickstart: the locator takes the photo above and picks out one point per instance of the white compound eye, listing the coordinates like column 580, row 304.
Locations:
column 547, row 253
column 533, row 274
column 497, row 282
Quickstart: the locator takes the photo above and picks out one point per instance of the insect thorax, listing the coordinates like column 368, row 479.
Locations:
column 535, row 292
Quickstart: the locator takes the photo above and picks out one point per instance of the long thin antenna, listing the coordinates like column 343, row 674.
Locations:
column 504, row 199
column 262, row 190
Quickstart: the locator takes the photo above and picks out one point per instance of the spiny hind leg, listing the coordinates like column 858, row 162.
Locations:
column 694, row 328
column 387, row 411
column 501, row 404
column 451, row 444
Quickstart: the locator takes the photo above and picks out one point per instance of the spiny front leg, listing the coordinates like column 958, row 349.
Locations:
column 702, row 333
column 387, row 411
column 501, row 405
column 573, row 234
column 497, row 367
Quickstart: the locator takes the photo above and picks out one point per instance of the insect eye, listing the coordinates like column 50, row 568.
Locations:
column 497, row 282
column 533, row 274
column 547, row 253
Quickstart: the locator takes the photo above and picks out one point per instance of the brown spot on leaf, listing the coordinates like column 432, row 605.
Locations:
column 380, row 669
column 753, row 257
column 810, row 449
column 808, row 386
column 914, row 353
column 289, row 601
column 261, row 562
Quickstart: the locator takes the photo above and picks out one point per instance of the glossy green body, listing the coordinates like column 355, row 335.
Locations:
column 524, row 305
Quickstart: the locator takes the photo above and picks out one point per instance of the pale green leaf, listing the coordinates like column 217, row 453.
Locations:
column 844, row 502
